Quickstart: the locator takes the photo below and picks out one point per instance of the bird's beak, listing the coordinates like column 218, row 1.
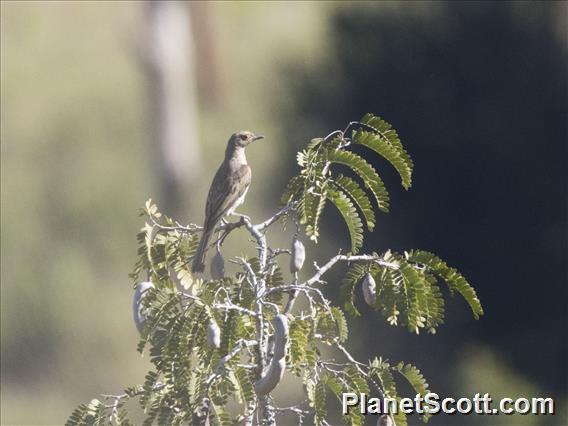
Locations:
column 257, row 137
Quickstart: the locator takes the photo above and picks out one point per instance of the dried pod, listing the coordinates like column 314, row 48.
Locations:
column 139, row 318
column 369, row 290
column 213, row 335
column 385, row 420
column 298, row 256
column 280, row 323
column 275, row 371
column 218, row 266
column 271, row 377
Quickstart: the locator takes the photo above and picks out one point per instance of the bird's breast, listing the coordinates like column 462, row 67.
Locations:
column 239, row 201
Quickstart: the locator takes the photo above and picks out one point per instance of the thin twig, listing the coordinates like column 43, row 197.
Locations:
column 341, row 257
column 239, row 345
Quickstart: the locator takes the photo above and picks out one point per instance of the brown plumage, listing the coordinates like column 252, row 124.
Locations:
column 227, row 192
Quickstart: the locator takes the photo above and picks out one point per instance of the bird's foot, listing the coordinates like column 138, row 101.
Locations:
column 242, row 216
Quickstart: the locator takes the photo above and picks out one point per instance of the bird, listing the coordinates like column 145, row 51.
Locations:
column 227, row 191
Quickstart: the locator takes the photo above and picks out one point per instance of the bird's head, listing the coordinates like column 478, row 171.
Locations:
column 243, row 138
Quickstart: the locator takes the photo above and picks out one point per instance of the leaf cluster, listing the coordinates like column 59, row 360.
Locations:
column 318, row 182
column 408, row 288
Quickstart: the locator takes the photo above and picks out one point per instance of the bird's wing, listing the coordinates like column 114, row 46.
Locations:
column 225, row 190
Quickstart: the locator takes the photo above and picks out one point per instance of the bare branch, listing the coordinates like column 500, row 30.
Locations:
column 283, row 211
column 340, row 257
column 229, row 306
column 293, row 296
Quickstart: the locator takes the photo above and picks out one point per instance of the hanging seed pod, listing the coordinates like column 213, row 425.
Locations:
column 213, row 335
column 275, row 371
column 218, row 266
column 139, row 318
column 384, row 420
column 298, row 256
column 369, row 290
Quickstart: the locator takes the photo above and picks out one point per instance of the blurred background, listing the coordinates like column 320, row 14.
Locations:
column 105, row 104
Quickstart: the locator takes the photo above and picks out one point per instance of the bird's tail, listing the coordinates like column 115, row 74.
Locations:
column 198, row 265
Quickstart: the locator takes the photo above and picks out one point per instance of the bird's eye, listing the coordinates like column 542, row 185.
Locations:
column 242, row 137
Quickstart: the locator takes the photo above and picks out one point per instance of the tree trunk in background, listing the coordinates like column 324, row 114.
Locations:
column 168, row 54
column 209, row 83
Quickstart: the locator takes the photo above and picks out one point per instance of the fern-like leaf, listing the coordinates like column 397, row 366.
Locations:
column 339, row 317
column 352, row 188
column 435, row 304
column 314, row 202
column 245, row 388
column 416, row 380
column 350, row 216
column 357, row 384
column 416, row 298
column 454, row 280
column 292, row 190
column 299, row 337
column 381, row 370
column 386, row 131
column 319, row 402
column 382, row 146
column 367, row 173
column 354, row 274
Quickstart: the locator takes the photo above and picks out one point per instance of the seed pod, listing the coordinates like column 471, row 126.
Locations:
column 275, row 371
column 280, row 323
column 139, row 293
column 213, row 335
column 384, row 420
column 217, row 266
column 298, row 256
column 369, row 290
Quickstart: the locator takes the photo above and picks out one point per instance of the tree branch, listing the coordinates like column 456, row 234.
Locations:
column 241, row 343
column 340, row 257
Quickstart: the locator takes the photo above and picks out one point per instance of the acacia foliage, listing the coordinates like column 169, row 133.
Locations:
column 193, row 382
column 318, row 182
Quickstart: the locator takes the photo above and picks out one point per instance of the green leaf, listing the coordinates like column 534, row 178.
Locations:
column 347, row 289
column 381, row 370
column 382, row 146
column 245, row 388
column 435, row 304
column 350, row 216
column 77, row 416
column 416, row 298
column 332, row 325
column 366, row 172
column 339, row 317
column 386, row 131
column 292, row 190
column 454, row 280
column 416, row 380
column 314, row 202
column 355, row 383
column 414, row 377
column 354, row 191
column 300, row 331
column 319, row 402
column 314, row 143
column 390, row 294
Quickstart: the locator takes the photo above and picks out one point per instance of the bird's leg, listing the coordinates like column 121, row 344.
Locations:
column 242, row 216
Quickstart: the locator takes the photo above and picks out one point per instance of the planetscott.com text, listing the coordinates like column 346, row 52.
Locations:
column 432, row 403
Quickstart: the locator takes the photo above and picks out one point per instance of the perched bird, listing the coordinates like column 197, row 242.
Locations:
column 227, row 192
